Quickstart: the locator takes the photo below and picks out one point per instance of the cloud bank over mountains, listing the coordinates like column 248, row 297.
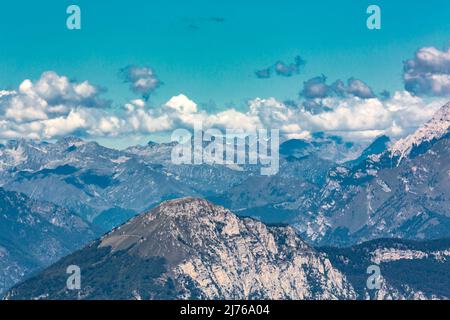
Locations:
column 54, row 106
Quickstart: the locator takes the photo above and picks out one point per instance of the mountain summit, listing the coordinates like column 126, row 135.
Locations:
column 432, row 130
column 191, row 248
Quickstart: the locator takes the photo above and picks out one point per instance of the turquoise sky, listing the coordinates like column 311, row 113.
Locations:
column 209, row 50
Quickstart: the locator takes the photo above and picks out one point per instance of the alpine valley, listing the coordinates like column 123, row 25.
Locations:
column 225, row 232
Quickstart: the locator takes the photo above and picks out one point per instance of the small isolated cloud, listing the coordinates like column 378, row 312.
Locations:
column 282, row 69
column 317, row 88
column 288, row 70
column 356, row 88
column 142, row 80
column 428, row 73
column 217, row 19
column 199, row 22
column 263, row 73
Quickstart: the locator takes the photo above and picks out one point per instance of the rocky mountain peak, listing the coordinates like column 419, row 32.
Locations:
column 434, row 129
column 203, row 251
column 190, row 207
column 175, row 229
column 70, row 140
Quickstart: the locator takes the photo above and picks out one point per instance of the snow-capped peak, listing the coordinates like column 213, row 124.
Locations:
column 436, row 128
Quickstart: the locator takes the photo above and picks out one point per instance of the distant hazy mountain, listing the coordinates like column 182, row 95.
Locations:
column 324, row 146
column 34, row 234
column 303, row 170
column 107, row 186
column 192, row 249
column 378, row 146
column 103, row 185
column 278, row 198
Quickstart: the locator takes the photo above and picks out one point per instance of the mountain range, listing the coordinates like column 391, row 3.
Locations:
column 59, row 196
column 107, row 186
column 403, row 192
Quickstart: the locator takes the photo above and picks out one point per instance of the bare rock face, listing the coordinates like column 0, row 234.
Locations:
column 226, row 257
column 203, row 251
